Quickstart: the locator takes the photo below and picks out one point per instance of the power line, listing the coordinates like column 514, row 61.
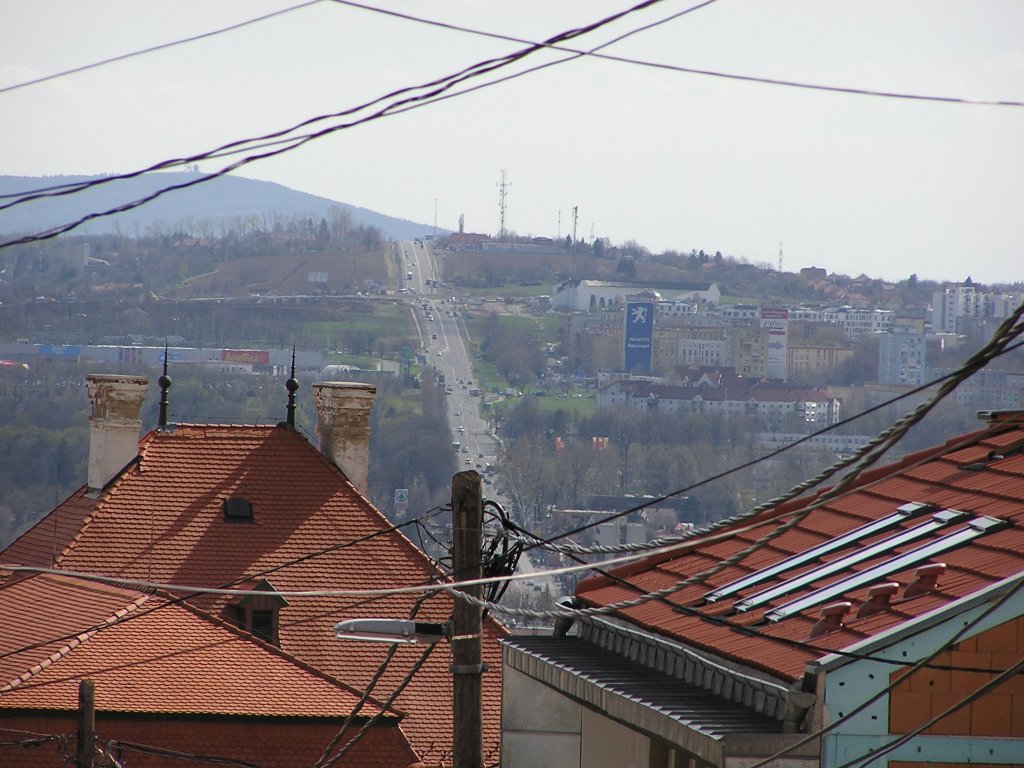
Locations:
column 325, row 759
column 149, row 749
column 845, row 717
column 983, row 689
column 548, row 543
column 440, row 86
column 159, row 47
column 849, row 90
column 1008, row 330
column 184, row 598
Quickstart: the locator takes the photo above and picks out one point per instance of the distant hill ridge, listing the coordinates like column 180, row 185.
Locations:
column 226, row 197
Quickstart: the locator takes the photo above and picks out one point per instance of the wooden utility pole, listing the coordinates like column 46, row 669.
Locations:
column 86, row 724
column 467, row 655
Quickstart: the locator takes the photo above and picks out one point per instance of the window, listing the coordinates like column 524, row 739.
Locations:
column 237, row 510
column 262, row 624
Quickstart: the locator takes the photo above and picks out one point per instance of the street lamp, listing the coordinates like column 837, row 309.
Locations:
column 391, row 631
column 464, row 630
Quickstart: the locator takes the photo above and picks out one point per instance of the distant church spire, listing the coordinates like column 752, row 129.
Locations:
column 165, row 384
column 292, row 385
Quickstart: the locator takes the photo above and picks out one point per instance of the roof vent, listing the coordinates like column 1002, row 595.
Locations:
column 831, row 618
column 879, row 597
column 927, row 578
column 237, row 510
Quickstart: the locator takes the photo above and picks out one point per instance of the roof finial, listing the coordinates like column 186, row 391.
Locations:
column 292, row 385
column 165, row 384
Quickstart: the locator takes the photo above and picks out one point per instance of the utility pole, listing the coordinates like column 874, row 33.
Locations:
column 502, row 203
column 575, row 219
column 86, row 724
column 467, row 655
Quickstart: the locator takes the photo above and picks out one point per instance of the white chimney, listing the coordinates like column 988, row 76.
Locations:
column 114, row 425
column 343, row 412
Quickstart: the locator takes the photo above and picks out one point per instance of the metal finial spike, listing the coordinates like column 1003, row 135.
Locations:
column 165, row 384
column 292, row 385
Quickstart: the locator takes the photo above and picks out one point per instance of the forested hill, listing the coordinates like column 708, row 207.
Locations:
column 223, row 198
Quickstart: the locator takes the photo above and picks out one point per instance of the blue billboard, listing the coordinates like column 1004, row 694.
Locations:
column 637, row 336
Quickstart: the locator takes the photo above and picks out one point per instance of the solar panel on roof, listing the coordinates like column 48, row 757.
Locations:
column 902, row 513
column 975, row 528
column 939, row 520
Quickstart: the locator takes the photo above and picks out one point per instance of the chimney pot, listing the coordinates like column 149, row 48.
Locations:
column 927, row 578
column 879, row 597
column 114, row 424
column 343, row 416
column 831, row 618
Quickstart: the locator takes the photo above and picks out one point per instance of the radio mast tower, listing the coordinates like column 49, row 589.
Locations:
column 780, row 258
column 502, row 203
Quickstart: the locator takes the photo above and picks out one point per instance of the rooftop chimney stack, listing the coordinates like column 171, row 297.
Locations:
column 343, row 415
column 114, row 425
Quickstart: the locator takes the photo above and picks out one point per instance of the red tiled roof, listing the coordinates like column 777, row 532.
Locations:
column 161, row 520
column 994, row 486
column 147, row 655
column 41, row 543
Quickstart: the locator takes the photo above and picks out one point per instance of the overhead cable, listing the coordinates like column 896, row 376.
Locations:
column 1013, row 589
column 153, row 48
column 440, row 86
column 549, row 542
column 849, row 90
column 1008, row 330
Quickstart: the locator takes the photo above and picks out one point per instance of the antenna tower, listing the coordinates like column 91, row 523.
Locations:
column 780, row 258
column 502, row 203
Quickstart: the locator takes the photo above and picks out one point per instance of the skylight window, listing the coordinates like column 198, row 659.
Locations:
column 975, row 528
column 939, row 520
column 237, row 510
column 902, row 513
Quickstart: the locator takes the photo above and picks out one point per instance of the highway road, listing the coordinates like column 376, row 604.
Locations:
column 443, row 336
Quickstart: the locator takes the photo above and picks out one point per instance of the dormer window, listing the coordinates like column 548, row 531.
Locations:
column 258, row 614
column 237, row 510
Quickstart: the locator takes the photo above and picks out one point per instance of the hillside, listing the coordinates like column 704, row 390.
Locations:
column 223, row 198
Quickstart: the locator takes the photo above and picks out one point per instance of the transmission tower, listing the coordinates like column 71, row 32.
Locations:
column 780, row 258
column 502, row 203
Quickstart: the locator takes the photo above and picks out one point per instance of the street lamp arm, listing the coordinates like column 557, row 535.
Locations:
column 391, row 631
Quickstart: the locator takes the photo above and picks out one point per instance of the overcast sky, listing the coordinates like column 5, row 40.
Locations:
column 850, row 183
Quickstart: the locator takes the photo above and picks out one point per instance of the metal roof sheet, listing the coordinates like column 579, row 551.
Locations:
column 648, row 699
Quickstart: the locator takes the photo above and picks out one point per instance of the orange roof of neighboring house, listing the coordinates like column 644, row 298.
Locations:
column 161, row 519
column 980, row 474
column 147, row 654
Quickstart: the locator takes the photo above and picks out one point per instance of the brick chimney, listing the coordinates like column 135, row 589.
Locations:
column 114, row 425
column 343, row 415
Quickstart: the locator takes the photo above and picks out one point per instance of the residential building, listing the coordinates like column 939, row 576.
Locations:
column 816, row 632
column 854, row 322
column 732, row 396
column 961, row 301
column 595, row 295
column 814, row 361
column 258, row 506
column 902, row 356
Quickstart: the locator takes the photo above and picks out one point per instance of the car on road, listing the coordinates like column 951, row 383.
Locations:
column 433, row 336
